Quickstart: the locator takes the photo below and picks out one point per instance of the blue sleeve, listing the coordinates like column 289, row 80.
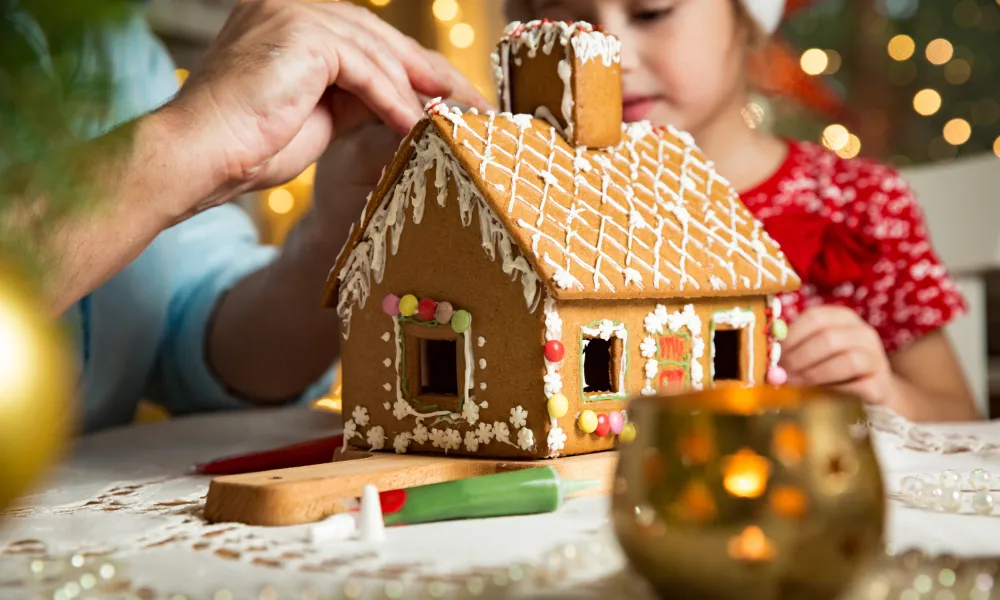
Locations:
column 207, row 254
column 212, row 252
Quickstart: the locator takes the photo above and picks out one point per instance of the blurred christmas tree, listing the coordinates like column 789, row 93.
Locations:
column 919, row 80
column 54, row 84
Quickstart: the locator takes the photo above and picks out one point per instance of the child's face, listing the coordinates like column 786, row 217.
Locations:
column 682, row 60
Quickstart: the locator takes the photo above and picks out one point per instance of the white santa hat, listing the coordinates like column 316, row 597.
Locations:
column 767, row 13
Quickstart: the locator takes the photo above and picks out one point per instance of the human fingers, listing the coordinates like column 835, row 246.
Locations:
column 305, row 148
column 375, row 50
column 425, row 76
column 815, row 320
column 360, row 76
column 835, row 370
column 823, row 344
column 867, row 388
column 462, row 89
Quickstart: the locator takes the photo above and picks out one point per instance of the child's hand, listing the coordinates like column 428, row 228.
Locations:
column 833, row 346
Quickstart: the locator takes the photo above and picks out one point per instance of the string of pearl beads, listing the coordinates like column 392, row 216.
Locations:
column 946, row 493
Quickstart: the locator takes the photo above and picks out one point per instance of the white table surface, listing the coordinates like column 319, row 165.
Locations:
column 124, row 494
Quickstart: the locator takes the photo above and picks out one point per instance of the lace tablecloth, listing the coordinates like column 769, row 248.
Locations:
column 124, row 495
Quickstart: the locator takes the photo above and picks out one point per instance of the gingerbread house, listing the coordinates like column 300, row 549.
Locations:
column 517, row 276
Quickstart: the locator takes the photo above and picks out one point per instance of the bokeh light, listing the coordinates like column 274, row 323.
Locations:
column 927, row 102
column 462, row 35
column 851, row 149
column 814, row 61
column 280, row 201
column 957, row 132
column 836, row 137
column 957, row 71
column 939, row 51
column 901, row 47
column 445, row 10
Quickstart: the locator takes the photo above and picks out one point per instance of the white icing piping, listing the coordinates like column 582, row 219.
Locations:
column 659, row 322
column 637, row 141
column 553, row 382
column 369, row 255
column 740, row 319
column 577, row 39
column 604, row 330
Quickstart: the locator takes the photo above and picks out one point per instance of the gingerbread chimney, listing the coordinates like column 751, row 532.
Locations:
column 566, row 73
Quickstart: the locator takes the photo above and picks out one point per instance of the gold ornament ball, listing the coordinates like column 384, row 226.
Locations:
column 36, row 387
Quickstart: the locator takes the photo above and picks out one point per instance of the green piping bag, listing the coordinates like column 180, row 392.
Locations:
column 522, row 492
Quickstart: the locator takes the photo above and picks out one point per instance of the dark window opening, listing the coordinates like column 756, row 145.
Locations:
column 601, row 360
column 728, row 354
column 439, row 367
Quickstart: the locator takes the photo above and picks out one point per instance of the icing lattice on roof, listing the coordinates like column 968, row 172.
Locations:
column 649, row 218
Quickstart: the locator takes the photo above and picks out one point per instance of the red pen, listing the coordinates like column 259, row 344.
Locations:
column 303, row 454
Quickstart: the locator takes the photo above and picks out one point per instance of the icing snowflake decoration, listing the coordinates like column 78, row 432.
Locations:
column 501, row 432
column 376, row 437
column 402, row 442
column 557, row 439
column 525, row 439
column 485, row 433
column 518, row 417
column 360, row 415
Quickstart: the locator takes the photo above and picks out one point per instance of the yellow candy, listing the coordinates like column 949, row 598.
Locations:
column 408, row 305
column 588, row 421
column 558, row 405
column 627, row 436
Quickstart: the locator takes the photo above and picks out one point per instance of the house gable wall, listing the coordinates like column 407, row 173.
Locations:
column 443, row 259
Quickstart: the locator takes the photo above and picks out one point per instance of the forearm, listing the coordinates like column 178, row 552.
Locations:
column 918, row 404
column 270, row 337
column 133, row 182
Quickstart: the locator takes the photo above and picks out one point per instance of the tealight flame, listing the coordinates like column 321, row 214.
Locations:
column 745, row 474
column 751, row 546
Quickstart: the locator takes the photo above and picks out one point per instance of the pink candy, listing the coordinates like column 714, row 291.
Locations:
column 390, row 305
column 617, row 422
column 777, row 376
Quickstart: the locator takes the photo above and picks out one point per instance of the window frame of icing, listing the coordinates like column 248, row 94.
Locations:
column 623, row 363
column 684, row 363
column 746, row 330
column 409, row 370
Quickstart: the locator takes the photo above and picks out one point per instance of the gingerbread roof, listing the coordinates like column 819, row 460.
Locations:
column 649, row 218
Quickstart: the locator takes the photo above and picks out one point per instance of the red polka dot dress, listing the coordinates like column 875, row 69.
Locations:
column 855, row 234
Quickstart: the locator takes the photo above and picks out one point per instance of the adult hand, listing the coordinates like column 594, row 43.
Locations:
column 833, row 346
column 346, row 174
column 285, row 76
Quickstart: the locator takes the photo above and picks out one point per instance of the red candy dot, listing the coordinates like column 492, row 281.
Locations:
column 603, row 425
column 554, row 351
column 426, row 308
column 392, row 501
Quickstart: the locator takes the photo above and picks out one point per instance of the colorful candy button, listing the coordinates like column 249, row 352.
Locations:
column 617, row 422
column 554, row 351
column 588, row 421
column 443, row 313
column 460, row 321
column 777, row 376
column 779, row 329
column 425, row 309
column 558, row 406
column 627, row 436
column 408, row 305
column 603, row 425
column 390, row 305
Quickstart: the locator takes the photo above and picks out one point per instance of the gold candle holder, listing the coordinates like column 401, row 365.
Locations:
column 771, row 494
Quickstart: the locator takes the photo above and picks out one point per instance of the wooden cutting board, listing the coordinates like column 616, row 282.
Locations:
column 310, row 494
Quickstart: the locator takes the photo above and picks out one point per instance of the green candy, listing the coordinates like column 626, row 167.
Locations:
column 460, row 321
column 779, row 329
